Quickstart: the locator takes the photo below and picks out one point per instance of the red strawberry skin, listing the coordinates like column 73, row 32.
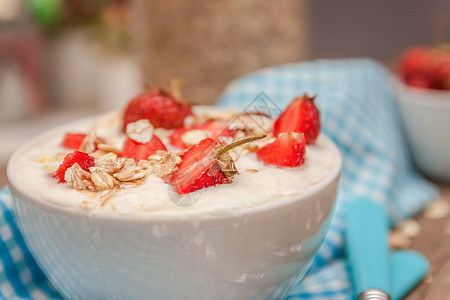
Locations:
column 415, row 66
column 302, row 116
column 198, row 169
column 84, row 160
column 440, row 76
column 160, row 108
column 214, row 127
column 176, row 137
column 138, row 151
column 288, row 150
column 426, row 67
column 73, row 140
column 218, row 129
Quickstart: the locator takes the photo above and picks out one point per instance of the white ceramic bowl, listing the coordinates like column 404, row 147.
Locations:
column 255, row 254
column 426, row 118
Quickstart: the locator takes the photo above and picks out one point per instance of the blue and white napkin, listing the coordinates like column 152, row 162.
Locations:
column 357, row 111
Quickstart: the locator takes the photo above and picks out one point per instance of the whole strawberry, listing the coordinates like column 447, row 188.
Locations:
column 426, row 67
column 288, row 150
column 161, row 108
column 204, row 165
column 415, row 66
column 300, row 116
column 440, row 76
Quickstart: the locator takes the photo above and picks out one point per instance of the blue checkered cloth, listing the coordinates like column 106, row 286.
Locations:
column 357, row 112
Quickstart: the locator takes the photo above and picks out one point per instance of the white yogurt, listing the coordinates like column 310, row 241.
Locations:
column 156, row 198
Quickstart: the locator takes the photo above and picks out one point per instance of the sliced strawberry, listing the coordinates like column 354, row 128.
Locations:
column 83, row 159
column 73, row 140
column 194, row 170
column 138, row 151
column 215, row 128
column 218, row 129
column 204, row 165
column 160, row 108
column 288, row 150
column 302, row 116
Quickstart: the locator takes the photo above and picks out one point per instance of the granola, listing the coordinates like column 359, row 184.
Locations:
column 140, row 131
column 79, row 178
column 123, row 155
column 194, row 136
column 90, row 142
column 129, row 171
column 101, row 179
column 164, row 163
column 108, row 148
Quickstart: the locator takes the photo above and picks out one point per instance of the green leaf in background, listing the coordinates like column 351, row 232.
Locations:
column 47, row 13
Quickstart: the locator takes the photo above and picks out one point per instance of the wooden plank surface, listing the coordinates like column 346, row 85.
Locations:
column 433, row 242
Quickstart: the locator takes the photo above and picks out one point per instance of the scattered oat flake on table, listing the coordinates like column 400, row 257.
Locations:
column 447, row 228
column 410, row 227
column 398, row 240
column 437, row 209
column 428, row 279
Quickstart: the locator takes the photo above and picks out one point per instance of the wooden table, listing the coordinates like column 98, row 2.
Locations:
column 432, row 242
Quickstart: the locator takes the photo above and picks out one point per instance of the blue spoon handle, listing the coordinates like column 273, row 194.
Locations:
column 408, row 267
column 367, row 245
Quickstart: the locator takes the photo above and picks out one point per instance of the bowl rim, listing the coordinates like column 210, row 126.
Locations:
column 428, row 97
column 20, row 192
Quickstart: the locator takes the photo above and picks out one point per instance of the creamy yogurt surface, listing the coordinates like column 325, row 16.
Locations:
column 156, row 198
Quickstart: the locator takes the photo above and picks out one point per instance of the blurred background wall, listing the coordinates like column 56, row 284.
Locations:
column 96, row 54
column 208, row 43
column 378, row 29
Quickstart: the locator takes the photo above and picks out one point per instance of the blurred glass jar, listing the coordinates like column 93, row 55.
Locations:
column 90, row 56
column 208, row 43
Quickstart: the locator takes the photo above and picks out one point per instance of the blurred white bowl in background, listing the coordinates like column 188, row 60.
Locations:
column 426, row 118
